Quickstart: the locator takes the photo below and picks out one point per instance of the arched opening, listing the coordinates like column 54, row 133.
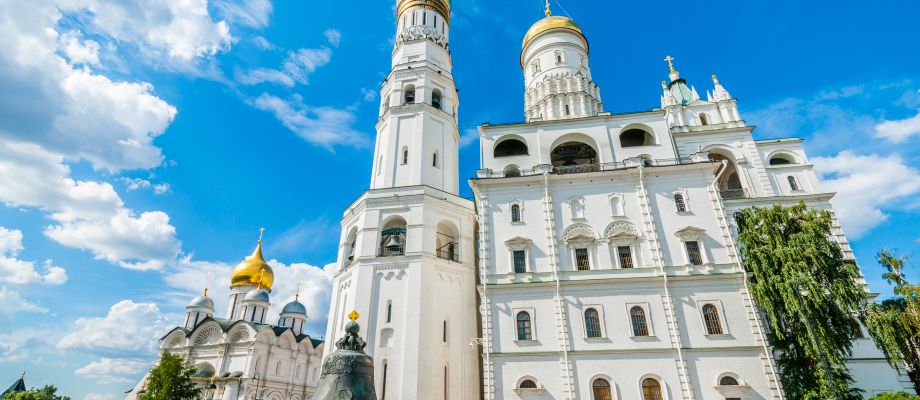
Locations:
column 524, row 329
column 409, row 94
column 680, row 203
column 527, row 384
column 711, row 317
column 592, row 323
column 636, row 137
column 447, row 242
column 651, row 389
column 571, row 157
column 436, row 99
column 434, row 159
column 793, row 184
column 515, row 213
column 393, row 238
column 728, row 381
column 729, row 182
column 782, row 159
column 405, row 155
column 703, row 119
column 510, row 148
column 512, row 171
column 350, row 243
column 639, row 324
column 600, row 389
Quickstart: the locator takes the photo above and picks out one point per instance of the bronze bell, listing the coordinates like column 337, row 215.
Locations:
column 348, row 374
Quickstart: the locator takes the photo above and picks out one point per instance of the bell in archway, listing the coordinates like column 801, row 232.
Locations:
column 348, row 374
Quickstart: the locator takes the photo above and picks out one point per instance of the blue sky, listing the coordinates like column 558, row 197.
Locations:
column 144, row 142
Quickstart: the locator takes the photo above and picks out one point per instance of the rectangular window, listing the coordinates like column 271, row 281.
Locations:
column 581, row 260
column 625, row 256
column 693, row 252
column 520, row 261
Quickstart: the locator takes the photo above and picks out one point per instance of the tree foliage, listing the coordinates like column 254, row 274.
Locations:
column 48, row 392
column 895, row 323
column 809, row 294
column 171, row 379
column 895, row 396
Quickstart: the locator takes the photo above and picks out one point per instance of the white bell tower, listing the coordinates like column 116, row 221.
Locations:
column 407, row 251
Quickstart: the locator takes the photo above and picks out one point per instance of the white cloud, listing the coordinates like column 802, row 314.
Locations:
column 79, row 52
column 129, row 328
column 369, row 95
column 250, row 13
column 898, row 131
column 72, row 111
column 108, row 371
column 19, row 272
column 333, row 36
column 183, row 30
column 13, row 303
column 89, row 215
column 867, row 186
column 301, row 63
column 469, row 136
column 264, row 75
column 262, row 43
column 140, row 184
column 323, row 126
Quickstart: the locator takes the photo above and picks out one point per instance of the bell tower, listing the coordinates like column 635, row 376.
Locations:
column 407, row 250
column 417, row 133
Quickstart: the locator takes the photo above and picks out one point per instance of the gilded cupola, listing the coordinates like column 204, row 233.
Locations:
column 253, row 271
column 551, row 23
column 440, row 6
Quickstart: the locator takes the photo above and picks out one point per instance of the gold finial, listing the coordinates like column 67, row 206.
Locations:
column 664, row 85
column 670, row 61
column 207, row 284
column 714, row 77
column 353, row 316
column 548, row 11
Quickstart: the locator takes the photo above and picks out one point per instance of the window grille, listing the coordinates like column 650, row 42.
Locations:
column 693, row 252
column 711, row 316
column 651, row 389
column 639, row 324
column 515, row 213
column 625, row 255
column 601, row 389
column 524, row 331
column 592, row 323
column 680, row 203
column 520, row 261
column 581, row 260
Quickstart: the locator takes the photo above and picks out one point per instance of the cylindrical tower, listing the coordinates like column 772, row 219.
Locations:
column 557, row 76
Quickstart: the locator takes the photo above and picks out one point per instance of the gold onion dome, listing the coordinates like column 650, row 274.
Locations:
column 550, row 23
column 253, row 271
column 441, row 6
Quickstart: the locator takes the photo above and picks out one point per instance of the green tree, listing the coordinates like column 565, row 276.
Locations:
column 48, row 392
column 809, row 295
column 895, row 323
column 171, row 379
column 895, row 396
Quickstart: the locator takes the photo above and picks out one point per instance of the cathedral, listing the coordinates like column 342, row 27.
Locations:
column 243, row 356
column 597, row 260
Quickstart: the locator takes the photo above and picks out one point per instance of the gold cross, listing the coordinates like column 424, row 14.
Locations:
column 670, row 61
column 261, row 232
column 353, row 316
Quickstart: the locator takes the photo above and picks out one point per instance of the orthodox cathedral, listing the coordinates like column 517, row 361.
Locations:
column 596, row 261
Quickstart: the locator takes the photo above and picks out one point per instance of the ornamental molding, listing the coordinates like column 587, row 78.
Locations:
column 621, row 230
column 422, row 33
column 578, row 232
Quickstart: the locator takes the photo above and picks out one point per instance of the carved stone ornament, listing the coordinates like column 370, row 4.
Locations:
column 621, row 230
column 422, row 33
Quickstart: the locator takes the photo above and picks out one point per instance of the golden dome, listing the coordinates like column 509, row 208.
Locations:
column 552, row 22
column 440, row 6
column 253, row 271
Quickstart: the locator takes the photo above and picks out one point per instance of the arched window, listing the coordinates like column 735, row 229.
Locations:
column 434, row 159
column 436, row 99
column 393, row 238
column 703, row 119
column 636, row 137
column 527, row 384
column 524, row 330
column 512, row 171
column 515, row 213
column 405, row 155
column 680, row 203
column 409, row 94
column 383, row 391
column 278, row 368
column 639, row 324
column 571, row 154
column 651, row 389
column 592, row 323
column 728, row 381
column 782, row 159
column 389, row 311
column 510, row 147
column 793, row 184
column 711, row 316
column 601, row 389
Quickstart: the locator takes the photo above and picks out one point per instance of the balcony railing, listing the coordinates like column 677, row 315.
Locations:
column 449, row 255
column 586, row 168
column 393, row 251
column 734, row 194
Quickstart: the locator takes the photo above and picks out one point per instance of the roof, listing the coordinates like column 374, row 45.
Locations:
column 226, row 325
column 18, row 386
